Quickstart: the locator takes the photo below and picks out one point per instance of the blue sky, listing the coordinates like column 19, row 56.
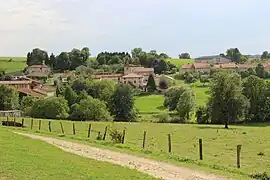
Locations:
column 200, row 27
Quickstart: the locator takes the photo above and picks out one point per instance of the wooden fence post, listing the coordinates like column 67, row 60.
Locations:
column 169, row 143
column 50, row 129
column 105, row 133
column 144, row 138
column 200, row 149
column 7, row 121
column 123, row 137
column 39, row 125
column 22, row 122
column 238, row 155
column 32, row 121
column 62, row 128
column 74, row 130
column 89, row 130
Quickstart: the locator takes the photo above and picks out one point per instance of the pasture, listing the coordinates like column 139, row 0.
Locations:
column 12, row 64
column 24, row 158
column 219, row 144
column 179, row 62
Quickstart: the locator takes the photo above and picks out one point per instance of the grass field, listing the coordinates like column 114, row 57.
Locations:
column 180, row 62
column 25, row 159
column 219, row 144
column 150, row 104
column 154, row 103
column 13, row 58
column 13, row 66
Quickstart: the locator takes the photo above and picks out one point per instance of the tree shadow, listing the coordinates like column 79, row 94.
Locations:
column 161, row 108
column 214, row 127
column 262, row 124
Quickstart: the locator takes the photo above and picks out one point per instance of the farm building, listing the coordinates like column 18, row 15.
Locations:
column 212, row 59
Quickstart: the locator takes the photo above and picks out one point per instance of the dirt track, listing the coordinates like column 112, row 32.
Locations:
column 154, row 168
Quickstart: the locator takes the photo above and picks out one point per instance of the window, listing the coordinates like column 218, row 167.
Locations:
column 125, row 82
column 135, row 81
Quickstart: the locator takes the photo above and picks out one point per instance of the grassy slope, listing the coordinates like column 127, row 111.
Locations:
column 219, row 144
column 25, row 159
column 17, row 64
column 180, row 62
column 10, row 67
column 154, row 103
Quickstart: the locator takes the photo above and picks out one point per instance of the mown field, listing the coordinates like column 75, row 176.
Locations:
column 154, row 103
column 180, row 62
column 219, row 144
column 15, row 65
column 23, row 158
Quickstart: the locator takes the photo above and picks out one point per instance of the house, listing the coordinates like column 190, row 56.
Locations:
column 27, row 86
column 107, row 76
column 186, row 68
column 213, row 59
column 244, row 67
column 38, row 69
column 228, row 66
column 200, row 67
column 133, row 79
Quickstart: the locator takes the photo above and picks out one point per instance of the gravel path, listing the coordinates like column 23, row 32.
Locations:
column 154, row 168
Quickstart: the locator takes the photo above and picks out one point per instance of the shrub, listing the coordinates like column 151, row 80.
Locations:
column 201, row 114
column 163, row 118
column 116, row 135
column 260, row 176
column 163, row 84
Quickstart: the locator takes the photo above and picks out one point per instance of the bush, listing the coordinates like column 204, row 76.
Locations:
column 260, row 176
column 116, row 136
column 163, row 118
column 201, row 114
column 163, row 84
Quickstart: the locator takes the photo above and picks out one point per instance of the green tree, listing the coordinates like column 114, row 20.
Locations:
column 86, row 54
column 9, row 98
column 260, row 70
column 235, row 55
column 90, row 109
column 52, row 61
column 172, row 96
column 76, row 59
column 227, row 104
column 136, row 52
column 122, row 103
column 81, row 96
column 184, row 56
column 186, row 104
column 256, row 90
column 70, row 96
column 151, row 84
column 37, row 57
column 265, row 55
column 62, row 61
column 102, row 90
column 26, row 104
column 50, row 108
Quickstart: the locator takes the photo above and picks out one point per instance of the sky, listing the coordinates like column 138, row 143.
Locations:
column 173, row 26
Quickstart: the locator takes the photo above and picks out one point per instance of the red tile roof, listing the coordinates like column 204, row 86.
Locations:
column 30, row 92
column 15, row 82
column 246, row 66
column 132, row 75
column 228, row 66
column 38, row 66
column 186, row 66
column 98, row 76
column 201, row 65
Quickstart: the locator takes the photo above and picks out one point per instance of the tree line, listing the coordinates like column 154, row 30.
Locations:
column 64, row 61
column 232, row 99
